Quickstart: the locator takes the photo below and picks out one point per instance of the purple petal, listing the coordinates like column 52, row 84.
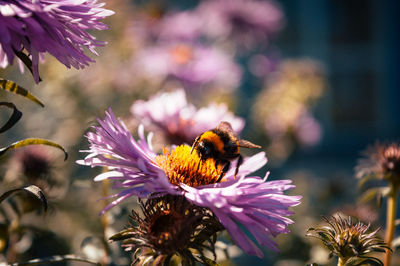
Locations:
column 258, row 206
column 57, row 27
column 112, row 145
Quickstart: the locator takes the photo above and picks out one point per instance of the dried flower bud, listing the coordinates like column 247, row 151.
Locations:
column 382, row 162
column 171, row 227
column 349, row 241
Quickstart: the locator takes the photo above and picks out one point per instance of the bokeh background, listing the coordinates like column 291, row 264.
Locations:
column 316, row 82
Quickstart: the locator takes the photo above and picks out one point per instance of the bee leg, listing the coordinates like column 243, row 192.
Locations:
column 217, row 162
column 198, row 165
column 195, row 144
column 224, row 170
column 239, row 162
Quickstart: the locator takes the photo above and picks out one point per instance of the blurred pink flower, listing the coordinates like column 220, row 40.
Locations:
column 307, row 130
column 283, row 107
column 191, row 64
column 261, row 65
column 179, row 120
column 245, row 21
column 304, row 127
column 183, row 26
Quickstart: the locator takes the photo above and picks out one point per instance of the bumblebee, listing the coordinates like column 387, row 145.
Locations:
column 222, row 145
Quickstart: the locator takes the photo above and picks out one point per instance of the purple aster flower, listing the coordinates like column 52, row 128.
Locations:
column 59, row 27
column 179, row 120
column 245, row 21
column 245, row 202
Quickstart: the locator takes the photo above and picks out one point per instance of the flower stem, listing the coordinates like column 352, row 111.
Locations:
column 341, row 261
column 13, row 239
column 105, row 221
column 390, row 221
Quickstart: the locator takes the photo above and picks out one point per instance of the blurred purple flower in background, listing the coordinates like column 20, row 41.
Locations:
column 58, row 27
column 246, row 21
column 180, row 121
column 307, row 130
column 192, row 64
column 182, row 26
column 283, row 107
column 259, row 206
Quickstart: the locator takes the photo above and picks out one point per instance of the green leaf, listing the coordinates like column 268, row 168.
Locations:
column 55, row 259
column 205, row 260
column 31, row 190
column 33, row 141
column 367, row 178
column 369, row 195
column 376, row 192
column 363, row 261
column 14, row 88
column 15, row 116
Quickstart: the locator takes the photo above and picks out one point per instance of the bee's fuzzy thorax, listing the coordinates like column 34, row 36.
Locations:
column 215, row 139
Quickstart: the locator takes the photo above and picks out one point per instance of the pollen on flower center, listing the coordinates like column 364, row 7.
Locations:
column 181, row 166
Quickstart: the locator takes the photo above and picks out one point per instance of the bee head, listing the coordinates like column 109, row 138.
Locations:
column 205, row 149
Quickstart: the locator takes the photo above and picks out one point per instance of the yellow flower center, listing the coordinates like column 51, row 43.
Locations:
column 181, row 166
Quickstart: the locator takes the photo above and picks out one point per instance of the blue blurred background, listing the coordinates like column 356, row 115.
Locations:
column 357, row 42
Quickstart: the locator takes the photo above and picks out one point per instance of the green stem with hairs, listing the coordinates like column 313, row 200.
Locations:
column 105, row 221
column 390, row 221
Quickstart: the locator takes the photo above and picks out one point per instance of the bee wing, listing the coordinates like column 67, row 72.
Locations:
column 248, row 144
column 226, row 127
